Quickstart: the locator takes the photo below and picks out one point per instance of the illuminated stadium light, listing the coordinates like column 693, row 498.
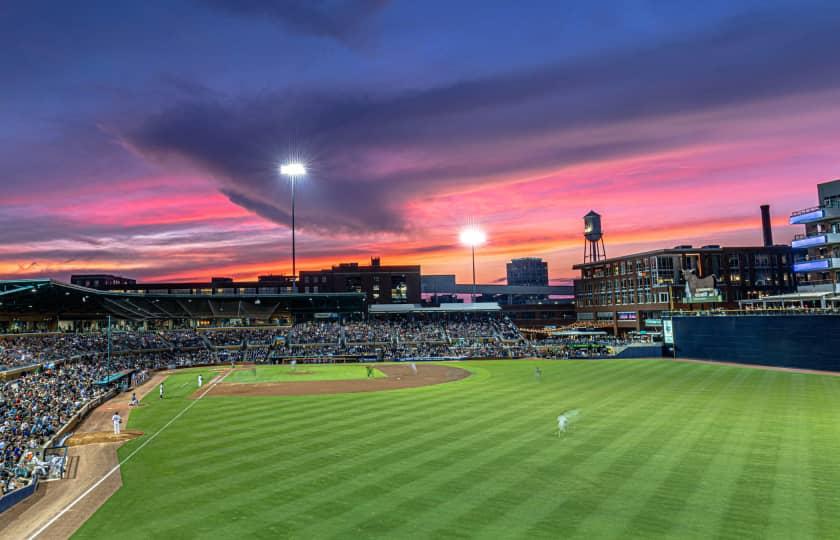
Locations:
column 472, row 236
column 293, row 169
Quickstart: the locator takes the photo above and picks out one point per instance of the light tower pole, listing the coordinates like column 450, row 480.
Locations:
column 293, row 171
column 472, row 236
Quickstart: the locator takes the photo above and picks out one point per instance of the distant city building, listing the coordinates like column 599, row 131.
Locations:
column 631, row 292
column 381, row 284
column 527, row 271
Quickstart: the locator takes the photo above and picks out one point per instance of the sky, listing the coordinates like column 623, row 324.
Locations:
column 143, row 138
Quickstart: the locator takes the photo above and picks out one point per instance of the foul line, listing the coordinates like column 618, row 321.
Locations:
column 118, row 465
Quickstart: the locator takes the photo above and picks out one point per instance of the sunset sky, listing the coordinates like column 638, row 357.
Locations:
column 142, row 138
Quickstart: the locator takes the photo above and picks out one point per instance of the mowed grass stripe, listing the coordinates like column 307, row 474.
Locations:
column 593, row 465
column 659, row 457
column 824, row 451
column 499, row 490
column 657, row 514
column 486, row 452
column 791, row 499
column 477, row 458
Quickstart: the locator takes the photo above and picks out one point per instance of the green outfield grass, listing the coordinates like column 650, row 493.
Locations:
column 660, row 449
column 303, row 372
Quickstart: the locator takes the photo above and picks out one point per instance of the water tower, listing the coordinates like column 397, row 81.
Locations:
column 593, row 248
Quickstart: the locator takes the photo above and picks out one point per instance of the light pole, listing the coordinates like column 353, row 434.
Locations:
column 472, row 236
column 293, row 171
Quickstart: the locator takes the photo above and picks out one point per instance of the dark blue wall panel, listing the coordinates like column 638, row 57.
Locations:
column 799, row 341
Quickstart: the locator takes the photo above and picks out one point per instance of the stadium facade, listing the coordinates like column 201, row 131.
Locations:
column 630, row 293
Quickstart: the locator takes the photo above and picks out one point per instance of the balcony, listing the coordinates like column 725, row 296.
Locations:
column 823, row 285
column 814, row 214
column 800, row 241
column 817, row 265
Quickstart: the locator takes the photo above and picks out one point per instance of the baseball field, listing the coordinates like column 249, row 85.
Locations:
column 657, row 449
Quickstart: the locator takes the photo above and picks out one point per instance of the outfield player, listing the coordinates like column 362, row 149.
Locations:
column 538, row 374
column 562, row 424
column 116, row 419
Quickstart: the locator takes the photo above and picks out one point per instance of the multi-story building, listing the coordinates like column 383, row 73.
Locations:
column 631, row 292
column 817, row 251
column 381, row 284
column 527, row 271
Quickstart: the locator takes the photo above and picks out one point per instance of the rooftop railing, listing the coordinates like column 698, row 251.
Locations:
column 754, row 312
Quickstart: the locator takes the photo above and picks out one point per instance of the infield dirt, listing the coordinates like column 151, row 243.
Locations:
column 398, row 377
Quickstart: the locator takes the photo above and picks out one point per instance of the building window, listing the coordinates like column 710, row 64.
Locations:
column 663, row 298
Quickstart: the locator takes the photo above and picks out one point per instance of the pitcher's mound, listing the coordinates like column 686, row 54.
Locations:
column 94, row 437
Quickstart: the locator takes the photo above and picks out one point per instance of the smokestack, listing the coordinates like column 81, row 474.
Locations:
column 766, row 227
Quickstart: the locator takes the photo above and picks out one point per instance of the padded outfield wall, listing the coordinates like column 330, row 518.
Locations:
column 798, row 341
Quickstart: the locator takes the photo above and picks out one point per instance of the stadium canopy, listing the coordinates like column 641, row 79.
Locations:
column 475, row 307
column 44, row 299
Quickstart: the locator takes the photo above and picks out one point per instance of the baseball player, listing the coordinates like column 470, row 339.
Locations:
column 200, row 380
column 116, row 419
column 160, row 390
column 369, row 371
column 538, row 374
column 414, row 368
column 562, row 423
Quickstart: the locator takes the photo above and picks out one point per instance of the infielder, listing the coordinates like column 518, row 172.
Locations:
column 200, row 381
column 414, row 368
column 160, row 390
column 116, row 420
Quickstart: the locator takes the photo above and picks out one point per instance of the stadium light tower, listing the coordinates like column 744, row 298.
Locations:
column 472, row 236
column 293, row 171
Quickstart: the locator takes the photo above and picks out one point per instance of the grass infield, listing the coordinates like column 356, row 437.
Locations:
column 302, row 372
column 659, row 449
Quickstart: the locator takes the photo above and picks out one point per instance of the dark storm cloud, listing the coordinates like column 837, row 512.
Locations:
column 341, row 20
column 373, row 153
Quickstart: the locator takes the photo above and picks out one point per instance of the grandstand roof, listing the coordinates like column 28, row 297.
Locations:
column 443, row 308
column 46, row 298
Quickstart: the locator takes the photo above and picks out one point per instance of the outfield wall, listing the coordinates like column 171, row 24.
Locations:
column 796, row 341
